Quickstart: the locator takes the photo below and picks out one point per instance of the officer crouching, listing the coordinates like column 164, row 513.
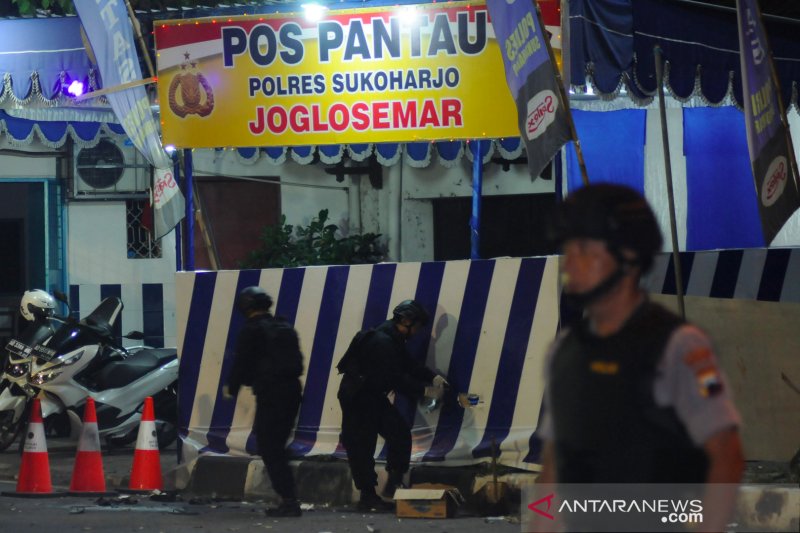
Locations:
column 376, row 364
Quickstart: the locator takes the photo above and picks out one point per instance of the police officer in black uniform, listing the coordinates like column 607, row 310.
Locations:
column 268, row 359
column 634, row 393
column 376, row 365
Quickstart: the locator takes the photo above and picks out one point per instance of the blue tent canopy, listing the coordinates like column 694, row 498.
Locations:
column 38, row 56
column 612, row 41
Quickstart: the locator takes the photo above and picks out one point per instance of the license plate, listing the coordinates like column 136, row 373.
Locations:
column 43, row 352
column 14, row 347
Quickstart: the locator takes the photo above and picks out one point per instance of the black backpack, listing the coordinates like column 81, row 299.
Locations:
column 285, row 345
column 353, row 380
column 348, row 364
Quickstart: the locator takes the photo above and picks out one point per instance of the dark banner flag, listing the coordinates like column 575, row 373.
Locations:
column 543, row 119
column 767, row 134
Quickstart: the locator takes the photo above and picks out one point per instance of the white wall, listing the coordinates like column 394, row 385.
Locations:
column 20, row 166
column 305, row 189
column 401, row 210
column 421, row 185
column 97, row 255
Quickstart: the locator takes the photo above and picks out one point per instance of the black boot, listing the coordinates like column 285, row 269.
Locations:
column 287, row 508
column 393, row 482
column 371, row 502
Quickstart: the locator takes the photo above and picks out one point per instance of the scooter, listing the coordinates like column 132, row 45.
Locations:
column 81, row 359
column 14, row 389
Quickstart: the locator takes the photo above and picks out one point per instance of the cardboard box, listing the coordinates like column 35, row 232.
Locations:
column 427, row 500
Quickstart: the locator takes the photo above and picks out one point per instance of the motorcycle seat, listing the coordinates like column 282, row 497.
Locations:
column 120, row 373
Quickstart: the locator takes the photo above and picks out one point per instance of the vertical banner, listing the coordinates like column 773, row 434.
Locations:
column 767, row 135
column 543, row 120
column 110, row 33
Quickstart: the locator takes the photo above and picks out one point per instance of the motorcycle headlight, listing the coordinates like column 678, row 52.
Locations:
column 17, row 370
column 72, row 360
column 44, row 377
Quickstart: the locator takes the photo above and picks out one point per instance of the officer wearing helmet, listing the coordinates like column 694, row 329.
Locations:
column 634, row 393
column 376, row 364
column 268, row 359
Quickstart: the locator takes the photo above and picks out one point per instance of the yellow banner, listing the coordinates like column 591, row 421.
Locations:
column 389, row 74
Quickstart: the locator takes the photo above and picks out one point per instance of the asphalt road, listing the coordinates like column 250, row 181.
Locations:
column 179, row 513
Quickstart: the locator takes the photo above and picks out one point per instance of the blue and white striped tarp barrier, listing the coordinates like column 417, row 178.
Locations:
column 771, row 275
column 147, row 307
column 492, row 323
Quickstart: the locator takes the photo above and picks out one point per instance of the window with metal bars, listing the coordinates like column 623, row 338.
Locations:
column 141, row 244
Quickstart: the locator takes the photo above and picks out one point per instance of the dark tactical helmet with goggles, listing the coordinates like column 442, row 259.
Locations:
column 253, row 299
column 616, row 215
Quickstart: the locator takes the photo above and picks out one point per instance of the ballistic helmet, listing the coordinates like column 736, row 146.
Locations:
column 253, row 299
column 410, row 310
column 36, row 303
column 615, row 214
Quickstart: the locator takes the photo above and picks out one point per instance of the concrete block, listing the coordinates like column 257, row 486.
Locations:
column 768, row 508
column 221, row 477
column 324, row 482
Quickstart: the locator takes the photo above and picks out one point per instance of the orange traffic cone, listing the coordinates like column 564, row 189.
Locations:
column 88, row 478
column 146, row 471
column 34, row 472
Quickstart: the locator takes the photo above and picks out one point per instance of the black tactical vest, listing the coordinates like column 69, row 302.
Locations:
column 607, row 426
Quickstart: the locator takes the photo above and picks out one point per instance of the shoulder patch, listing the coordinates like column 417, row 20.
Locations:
column 709, row 382
column 701, row 361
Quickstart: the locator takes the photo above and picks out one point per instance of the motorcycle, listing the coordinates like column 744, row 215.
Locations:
column 14, row 390
column 81, row 359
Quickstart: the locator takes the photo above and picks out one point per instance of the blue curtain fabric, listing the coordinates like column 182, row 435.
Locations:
column 612, row 41
column 722, row 208
column 48, row 48
column 613, row 148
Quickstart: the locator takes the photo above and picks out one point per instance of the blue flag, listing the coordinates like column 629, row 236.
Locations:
column 542, row 116
column 110, row 34
column 767, row 135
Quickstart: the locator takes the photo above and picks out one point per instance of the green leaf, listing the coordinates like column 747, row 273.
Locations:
column 25, row 7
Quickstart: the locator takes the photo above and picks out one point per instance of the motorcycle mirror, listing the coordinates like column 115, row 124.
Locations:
column 135, row 335
column 61, row 297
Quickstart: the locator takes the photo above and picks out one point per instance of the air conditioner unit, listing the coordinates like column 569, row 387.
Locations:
column 110, row 171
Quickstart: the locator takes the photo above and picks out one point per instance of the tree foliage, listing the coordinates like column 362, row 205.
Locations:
column 283, row 245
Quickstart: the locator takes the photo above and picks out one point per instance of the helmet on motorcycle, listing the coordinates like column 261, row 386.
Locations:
column 410, row 310
column 36, row 303
column 615, row 214
column 253, row 299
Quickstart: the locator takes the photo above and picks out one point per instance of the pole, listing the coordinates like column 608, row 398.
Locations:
column 178, row 242
column 562, row 96
column 187, row 168
column 477, row 190
column 206, row 229
column 676, row 259
column 137, row 29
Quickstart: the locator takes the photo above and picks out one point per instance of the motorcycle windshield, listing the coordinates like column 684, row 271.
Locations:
column 92, row 329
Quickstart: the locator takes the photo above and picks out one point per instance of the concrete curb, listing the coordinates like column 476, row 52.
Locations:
column 769, row 508
column 327, row 481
